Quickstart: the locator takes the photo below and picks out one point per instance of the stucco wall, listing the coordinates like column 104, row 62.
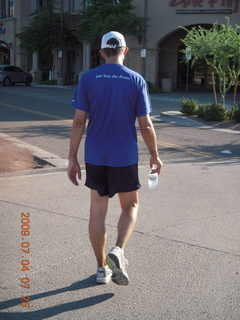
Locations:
column 164, row 20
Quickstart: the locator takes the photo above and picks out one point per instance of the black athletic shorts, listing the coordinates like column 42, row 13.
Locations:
column 111, row 180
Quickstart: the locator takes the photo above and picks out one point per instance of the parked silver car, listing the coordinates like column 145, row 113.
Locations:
column 9, row 75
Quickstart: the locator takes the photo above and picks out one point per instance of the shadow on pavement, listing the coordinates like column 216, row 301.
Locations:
column 51, row 311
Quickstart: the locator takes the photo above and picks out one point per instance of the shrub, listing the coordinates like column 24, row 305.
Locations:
column 189, row 106
column 201, row 110
column 215, row 112
column 235, row 112
column 49, row 82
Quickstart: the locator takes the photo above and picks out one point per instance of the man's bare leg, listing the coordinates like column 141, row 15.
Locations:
column 97, row 230
column 129, row 203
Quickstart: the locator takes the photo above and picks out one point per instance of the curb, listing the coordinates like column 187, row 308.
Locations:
column 180, row 118
column 50, row 158
column 37, row 85
column 177, row 117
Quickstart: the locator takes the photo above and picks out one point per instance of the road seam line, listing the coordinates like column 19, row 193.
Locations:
column 174, row 146
column 44, row 114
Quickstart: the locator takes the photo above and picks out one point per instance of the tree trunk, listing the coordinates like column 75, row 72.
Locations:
column 55, row 65
column 222, row 88
column 235, row 91
column 214, row 88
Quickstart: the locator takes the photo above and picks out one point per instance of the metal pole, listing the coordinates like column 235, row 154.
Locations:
column 144, row 40
column 188, row 57
column 61, row 21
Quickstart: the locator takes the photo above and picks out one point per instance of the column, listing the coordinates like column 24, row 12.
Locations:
column 86, row 57
column 36, row 73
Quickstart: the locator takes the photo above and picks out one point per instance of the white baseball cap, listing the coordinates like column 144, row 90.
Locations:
column 113, row 34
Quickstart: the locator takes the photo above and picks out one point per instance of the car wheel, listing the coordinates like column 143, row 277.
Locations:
column 7, row 82
column 28, row 82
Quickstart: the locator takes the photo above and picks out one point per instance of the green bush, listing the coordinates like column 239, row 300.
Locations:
column 209, row 112
column 235, row 112
column 49, row 82
column 215, row 112
column 189, row 106
column 201, row 110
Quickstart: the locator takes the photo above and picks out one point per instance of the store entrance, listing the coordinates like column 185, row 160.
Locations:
column 199, row 75
column 4, row 53
column 171, row 64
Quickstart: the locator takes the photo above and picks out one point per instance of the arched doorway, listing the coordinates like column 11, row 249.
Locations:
column 171, row 63
column 4, row 53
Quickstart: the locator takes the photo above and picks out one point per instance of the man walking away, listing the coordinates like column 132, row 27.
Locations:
column 112, row 96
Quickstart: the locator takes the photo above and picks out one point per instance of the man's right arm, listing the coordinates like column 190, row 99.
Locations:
column 78, row 127
column 149, row 137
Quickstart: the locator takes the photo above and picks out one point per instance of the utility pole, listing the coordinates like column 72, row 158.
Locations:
column 144, row 40
column 61, row 33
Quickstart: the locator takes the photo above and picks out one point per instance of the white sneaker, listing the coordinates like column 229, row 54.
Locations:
column 104, row 274
column 117, row 263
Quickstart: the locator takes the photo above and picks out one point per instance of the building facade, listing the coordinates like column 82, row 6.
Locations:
column 164, row 34
column 13, row 16
column 156, row 55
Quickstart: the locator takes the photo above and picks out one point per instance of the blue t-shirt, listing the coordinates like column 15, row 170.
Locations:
column 113, row 96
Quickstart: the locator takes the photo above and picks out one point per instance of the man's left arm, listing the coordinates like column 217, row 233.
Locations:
column 149, row 137
column 78, row 126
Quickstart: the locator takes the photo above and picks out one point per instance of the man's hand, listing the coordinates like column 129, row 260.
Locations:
column 155, row 160
column 78, row 126
column 74, row 171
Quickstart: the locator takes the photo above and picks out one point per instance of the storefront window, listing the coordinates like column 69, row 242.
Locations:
column 6, row 9
column 85, row 4
column 4, row 53
column 11, row 8
column 3, row 9
column 71, row 6
column 42, row 3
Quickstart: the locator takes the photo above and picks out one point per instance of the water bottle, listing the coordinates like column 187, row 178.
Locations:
column 153, row 178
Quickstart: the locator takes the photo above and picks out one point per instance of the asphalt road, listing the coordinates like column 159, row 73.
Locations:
column 42, row 117
column 184, row 253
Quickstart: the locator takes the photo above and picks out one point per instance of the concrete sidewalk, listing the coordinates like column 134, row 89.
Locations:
column 184, row 254
column 166, row 108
